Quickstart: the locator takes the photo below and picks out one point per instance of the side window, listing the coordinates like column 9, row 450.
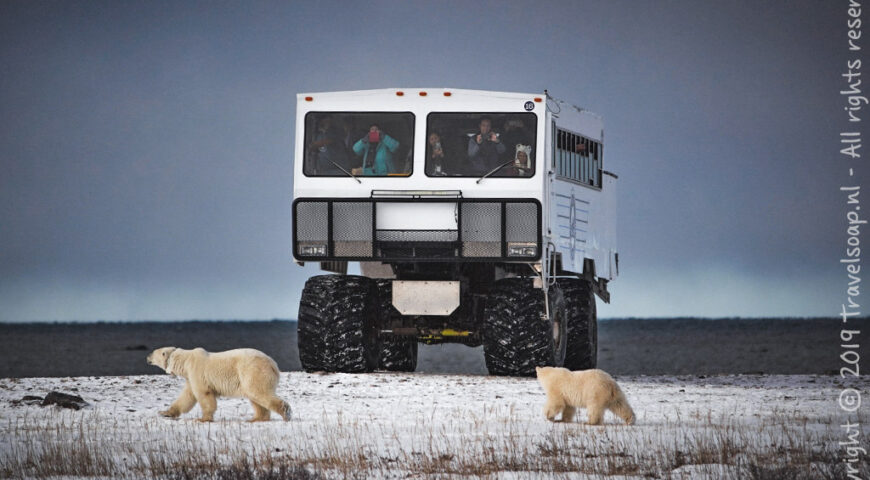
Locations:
column 577, row 158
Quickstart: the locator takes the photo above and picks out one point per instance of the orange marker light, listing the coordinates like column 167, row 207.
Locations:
column 447, row 94
column 538, row 99
column 308, row 99
column 423, row 94
column 400, row 93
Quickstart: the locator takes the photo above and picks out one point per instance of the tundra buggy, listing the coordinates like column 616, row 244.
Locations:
column 478, row 217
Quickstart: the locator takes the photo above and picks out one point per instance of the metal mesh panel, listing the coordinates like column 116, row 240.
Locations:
column 481, row 229
column 521, row 222
column 352, row 229
column 312, row 222
column 418, row 235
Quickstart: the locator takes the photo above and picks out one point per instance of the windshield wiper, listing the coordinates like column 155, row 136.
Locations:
column 495, row 170
column 348, row 173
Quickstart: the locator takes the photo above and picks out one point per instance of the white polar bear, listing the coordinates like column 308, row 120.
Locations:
column 243, row 372
column 594, row 390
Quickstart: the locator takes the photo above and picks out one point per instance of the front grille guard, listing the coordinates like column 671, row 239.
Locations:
column 328, row 229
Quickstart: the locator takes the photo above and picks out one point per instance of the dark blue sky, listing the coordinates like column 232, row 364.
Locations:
column 146, row 147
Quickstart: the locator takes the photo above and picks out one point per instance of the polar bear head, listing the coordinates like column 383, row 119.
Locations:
column 549, row 375
column 162, row 358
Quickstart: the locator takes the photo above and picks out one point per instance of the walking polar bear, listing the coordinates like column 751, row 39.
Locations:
column 594, row 390
column 243, row 372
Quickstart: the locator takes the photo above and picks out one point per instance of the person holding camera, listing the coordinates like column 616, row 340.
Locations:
column 377, row 149
column 435, row 162
column 485, row 148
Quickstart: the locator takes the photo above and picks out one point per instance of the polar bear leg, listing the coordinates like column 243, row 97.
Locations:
column 273, row 403
column 285, row 412
column 261, row 413
column 208, row 404
column 183, row 404
column 596, row 414
column 568, row 413
column 552, row 408
column 622, row 409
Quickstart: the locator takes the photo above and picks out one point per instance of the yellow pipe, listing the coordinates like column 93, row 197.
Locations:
column 449, row 332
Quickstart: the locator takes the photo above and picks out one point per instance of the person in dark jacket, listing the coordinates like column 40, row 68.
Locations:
column 485, row 148
column 328, row 149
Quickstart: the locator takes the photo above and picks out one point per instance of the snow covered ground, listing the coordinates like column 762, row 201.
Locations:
column 388, row 425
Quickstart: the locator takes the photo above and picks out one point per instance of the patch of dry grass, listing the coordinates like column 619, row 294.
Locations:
column 95, row 444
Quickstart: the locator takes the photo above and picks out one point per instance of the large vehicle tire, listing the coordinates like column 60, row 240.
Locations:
column 517, row 336
column 337, row 331
column 582, row 324
column 398, row 354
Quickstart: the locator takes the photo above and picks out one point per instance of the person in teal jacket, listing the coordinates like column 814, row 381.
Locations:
column 377, row 150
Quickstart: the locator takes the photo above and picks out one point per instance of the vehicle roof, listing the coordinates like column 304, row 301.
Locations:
column 405, row 98
column 417, row 90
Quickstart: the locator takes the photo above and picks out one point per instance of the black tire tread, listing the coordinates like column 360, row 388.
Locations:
column 582, row 328
column 398, row 354
column 516, row 338
column 334, row 312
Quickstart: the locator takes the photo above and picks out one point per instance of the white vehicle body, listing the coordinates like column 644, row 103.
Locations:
column 577, row 197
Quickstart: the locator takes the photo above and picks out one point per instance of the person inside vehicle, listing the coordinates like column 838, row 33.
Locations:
column 328, row 148
column 376, row 149
column 515, row 133
column 523, row 160
column 436, row 155
column 485, row 148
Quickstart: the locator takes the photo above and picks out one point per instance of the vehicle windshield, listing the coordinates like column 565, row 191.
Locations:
column 473, row 144
column 339, row 144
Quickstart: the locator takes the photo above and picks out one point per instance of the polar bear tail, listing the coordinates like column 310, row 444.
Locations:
column 620, row 407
